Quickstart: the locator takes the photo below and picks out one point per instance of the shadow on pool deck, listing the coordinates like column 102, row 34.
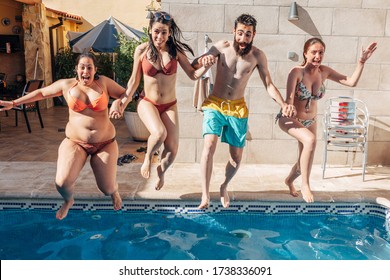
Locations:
column 28, row 165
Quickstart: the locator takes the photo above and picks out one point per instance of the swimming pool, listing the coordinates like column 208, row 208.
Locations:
column 178, row 231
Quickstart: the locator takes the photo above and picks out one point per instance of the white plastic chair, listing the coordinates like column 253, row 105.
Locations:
column 346, row 122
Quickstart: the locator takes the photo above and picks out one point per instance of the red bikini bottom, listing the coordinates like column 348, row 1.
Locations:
column 160, row 107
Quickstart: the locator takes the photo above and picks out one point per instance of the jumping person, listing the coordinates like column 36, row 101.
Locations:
column 305, row 86
column 89, row 130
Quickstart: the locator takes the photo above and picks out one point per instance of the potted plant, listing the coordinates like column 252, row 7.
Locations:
column 123, row 67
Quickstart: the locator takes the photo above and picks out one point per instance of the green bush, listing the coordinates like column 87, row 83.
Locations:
column 105, row 64
column 64, row 64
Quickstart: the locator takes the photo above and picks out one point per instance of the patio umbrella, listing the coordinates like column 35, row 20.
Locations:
column 103, row 37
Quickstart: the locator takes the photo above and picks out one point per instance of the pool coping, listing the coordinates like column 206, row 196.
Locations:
column 190, row 207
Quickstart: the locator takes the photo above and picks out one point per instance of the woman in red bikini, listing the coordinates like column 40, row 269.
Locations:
column 89, row 130
column 157, row 61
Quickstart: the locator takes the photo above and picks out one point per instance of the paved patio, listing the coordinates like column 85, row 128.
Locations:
column 28, row 165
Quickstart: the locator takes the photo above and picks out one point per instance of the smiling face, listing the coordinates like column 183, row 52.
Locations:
column 160, row 34
column 86, row 71
column 243, row 38
column 315, row 54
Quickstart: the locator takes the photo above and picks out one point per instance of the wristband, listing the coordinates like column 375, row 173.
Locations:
column 14, row 104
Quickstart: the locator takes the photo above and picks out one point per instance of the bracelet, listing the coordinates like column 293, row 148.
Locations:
column 14, row 104
column 362, row 61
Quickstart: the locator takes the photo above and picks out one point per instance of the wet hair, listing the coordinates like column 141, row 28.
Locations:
column 247, row 20
column 174, row 44
column 87, row 55
column 308, row 44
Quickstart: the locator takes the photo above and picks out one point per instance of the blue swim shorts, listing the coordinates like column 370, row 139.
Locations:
column 226, row 118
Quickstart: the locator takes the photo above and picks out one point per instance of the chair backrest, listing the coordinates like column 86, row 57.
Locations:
column 344, row 111
column 31, row 86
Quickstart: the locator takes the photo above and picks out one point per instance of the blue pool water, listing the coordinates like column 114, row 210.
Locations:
column 92, row 235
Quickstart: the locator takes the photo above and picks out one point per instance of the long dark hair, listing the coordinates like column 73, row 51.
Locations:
column 174, row 44
column 309, row 43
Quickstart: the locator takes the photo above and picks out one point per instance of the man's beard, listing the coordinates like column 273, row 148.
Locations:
column 242, row 52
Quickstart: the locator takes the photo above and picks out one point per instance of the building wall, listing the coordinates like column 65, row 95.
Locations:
column 93, row 12
column 345, row 26
column 11, row 63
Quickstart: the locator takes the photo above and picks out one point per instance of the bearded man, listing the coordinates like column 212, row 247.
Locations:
column 225, row 110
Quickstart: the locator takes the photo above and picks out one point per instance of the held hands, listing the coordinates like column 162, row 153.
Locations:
column 7, row 105
column 207, row 60
column 366, row 53
column 288, row 110
column 116, row 109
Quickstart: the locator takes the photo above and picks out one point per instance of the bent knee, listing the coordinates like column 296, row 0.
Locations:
column 109, row 190
column 310, row 143
column 61, row 185
column 160, row 134
column 210, row 143
column 235, row 161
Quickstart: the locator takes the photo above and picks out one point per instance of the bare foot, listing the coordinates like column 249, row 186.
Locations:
column 225, row 200
column 63, row 211
column 145, row 168
column 289, row 181
column 160, row 180
column 204, row 204
column 307, row 195
column 116, row 200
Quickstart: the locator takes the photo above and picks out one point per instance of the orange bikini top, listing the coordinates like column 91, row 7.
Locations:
column 99, row 104
column 149, row 70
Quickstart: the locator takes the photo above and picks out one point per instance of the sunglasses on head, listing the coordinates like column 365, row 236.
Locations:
column 163, row 15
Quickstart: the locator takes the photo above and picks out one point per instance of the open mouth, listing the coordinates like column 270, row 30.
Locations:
column 85, row 79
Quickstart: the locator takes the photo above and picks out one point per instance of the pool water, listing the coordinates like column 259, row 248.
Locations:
column 108, row 235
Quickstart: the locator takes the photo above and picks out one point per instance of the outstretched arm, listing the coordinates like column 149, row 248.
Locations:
column 192, row 72
column 55, row 89
column 262, row 66
column 209, row 58
column 354, row 78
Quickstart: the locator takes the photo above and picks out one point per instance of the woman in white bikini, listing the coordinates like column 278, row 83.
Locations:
column 305, row 86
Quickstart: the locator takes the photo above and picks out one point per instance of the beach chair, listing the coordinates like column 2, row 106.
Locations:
column 31, row 107
column 346, row 122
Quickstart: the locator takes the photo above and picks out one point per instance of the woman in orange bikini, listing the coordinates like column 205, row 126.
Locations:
column 305, row 86
column 157, row 61
column 89, row 130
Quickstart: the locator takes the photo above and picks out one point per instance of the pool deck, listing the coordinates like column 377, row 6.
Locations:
column 28, row 166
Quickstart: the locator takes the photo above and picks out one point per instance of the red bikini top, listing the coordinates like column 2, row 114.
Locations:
column 149, row 70
column 99, row 104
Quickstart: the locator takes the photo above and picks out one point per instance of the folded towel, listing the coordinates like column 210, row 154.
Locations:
column 202, row 90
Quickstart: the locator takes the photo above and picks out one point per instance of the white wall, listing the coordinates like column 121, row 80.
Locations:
column 344, row 25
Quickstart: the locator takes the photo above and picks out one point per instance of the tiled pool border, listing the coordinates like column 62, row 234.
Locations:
column 188, row 207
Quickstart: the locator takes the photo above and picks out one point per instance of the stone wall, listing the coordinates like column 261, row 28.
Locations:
column 37, row 46
column 345, row 26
